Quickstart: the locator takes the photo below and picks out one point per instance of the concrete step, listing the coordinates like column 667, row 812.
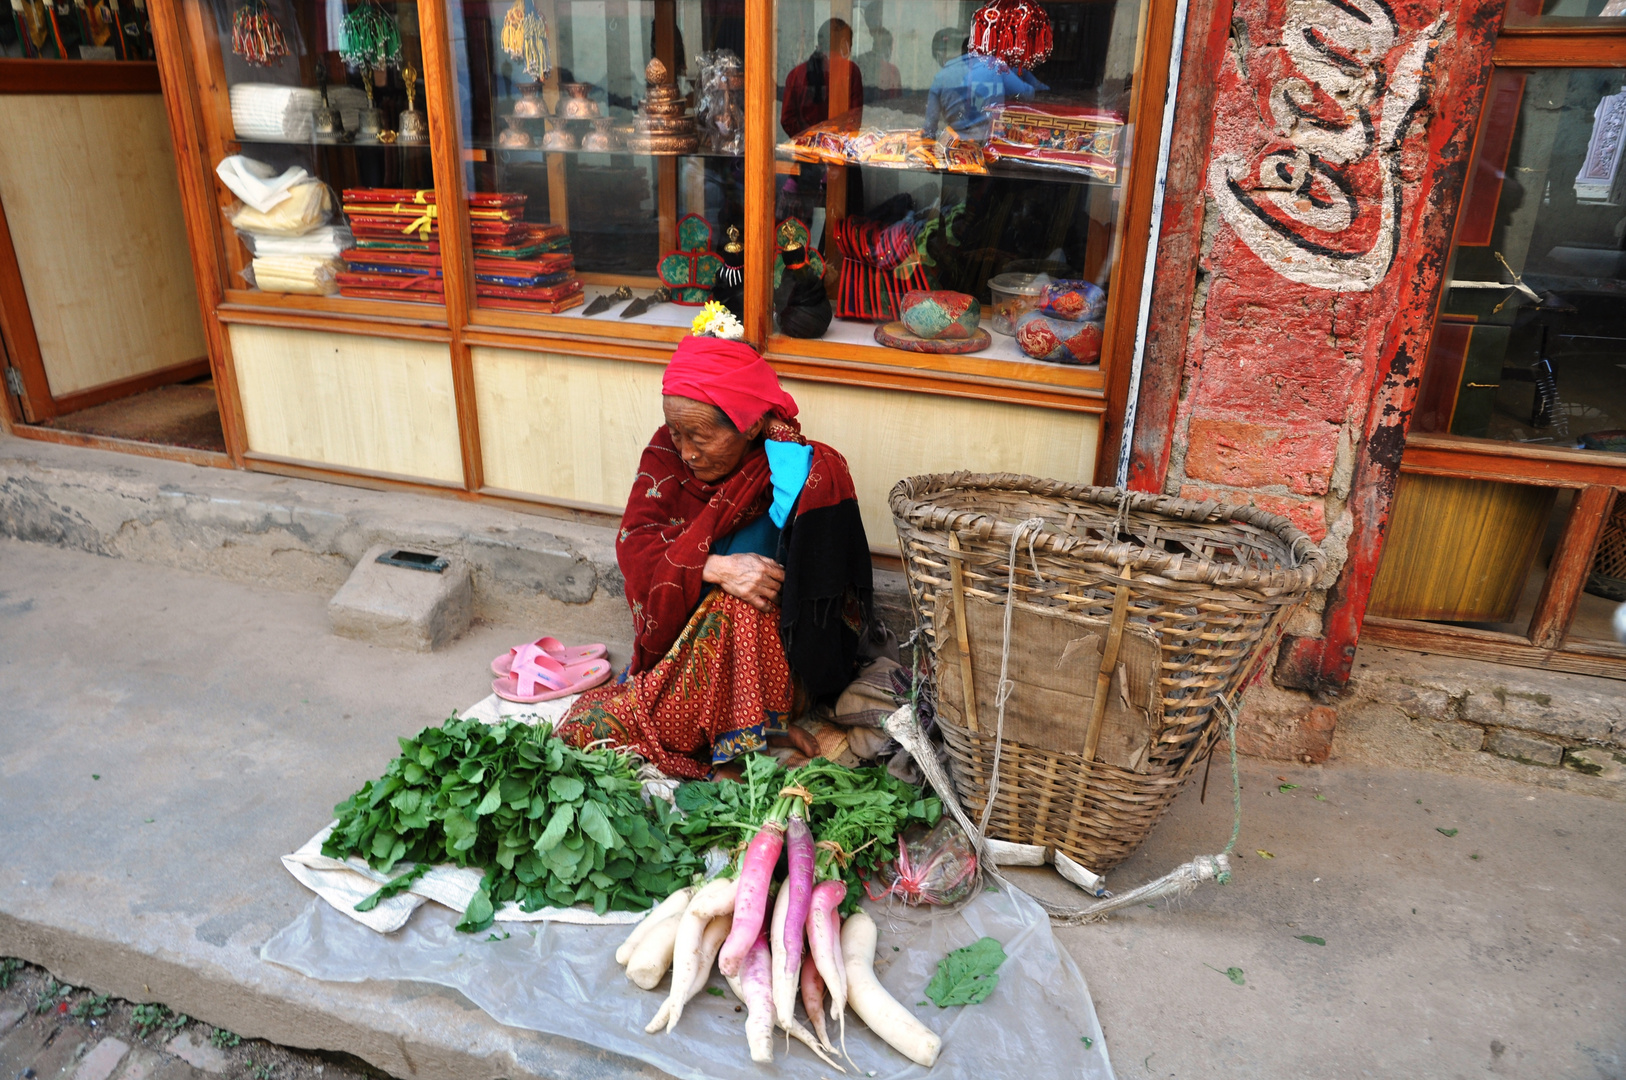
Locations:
column 303, row 535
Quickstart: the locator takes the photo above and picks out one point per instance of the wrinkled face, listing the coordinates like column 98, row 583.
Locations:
column 711, row 448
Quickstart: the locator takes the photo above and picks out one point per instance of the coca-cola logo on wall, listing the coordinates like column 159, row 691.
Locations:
column 1321, row 200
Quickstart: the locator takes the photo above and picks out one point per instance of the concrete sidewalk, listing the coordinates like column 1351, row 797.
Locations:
column 164, row 737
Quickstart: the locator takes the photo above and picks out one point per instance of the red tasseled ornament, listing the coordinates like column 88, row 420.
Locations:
column 1015, row 31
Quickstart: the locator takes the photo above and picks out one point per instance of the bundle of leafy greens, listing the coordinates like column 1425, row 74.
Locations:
column 551, row 825
column 860, row 810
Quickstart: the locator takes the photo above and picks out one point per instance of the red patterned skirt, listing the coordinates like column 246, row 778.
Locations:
column 719, row 692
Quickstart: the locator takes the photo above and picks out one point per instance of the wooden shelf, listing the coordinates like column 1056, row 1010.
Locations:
column 995, row 171
column 78, row 76
column 250, row 140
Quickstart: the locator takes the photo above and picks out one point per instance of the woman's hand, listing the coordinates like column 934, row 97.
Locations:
column 752, row 578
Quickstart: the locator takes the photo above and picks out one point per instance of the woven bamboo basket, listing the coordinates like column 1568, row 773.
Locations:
column 1201, row 587
column 1608, row 577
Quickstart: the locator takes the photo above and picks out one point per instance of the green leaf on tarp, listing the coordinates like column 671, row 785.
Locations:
column 1312, row 939
column 1087, row 1041
column 1446, row 832
column 398, row 884
column 967, row 976
column 1288, row 787
column 1232, row 973
column 478, row 915
column 714, row 991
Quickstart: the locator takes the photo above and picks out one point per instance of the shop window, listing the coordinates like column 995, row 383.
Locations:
column 1505, row 540
column 92, row 30
column 595, row 181
column 912, row 155
column 326, row 145
column 604, row 150
column 1602, row 13
column 1530, row 346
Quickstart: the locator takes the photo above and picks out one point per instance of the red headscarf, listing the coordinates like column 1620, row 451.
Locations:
column 730, row 375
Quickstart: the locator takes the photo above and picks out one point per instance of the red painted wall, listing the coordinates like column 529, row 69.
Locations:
column 1340, row 133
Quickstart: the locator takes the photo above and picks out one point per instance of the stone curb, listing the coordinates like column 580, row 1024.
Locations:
column 426, row 1036
column 307, row 536
column 298, row 535
column 1539, row 718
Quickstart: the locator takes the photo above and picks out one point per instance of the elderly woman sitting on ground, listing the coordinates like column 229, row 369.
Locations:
column 746, row 568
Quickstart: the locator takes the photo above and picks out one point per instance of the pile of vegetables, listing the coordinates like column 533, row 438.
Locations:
column 855, row 815
column 551, row 825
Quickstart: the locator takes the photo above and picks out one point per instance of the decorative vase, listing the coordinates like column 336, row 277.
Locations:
column 558, row 138
column 514, row 137
column 601, row 139
column 578, row 106
column 530, row 105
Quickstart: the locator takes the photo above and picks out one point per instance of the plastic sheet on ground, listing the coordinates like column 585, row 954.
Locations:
column 563, row 980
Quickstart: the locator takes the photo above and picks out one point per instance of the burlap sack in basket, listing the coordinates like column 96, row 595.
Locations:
column 1184, row 598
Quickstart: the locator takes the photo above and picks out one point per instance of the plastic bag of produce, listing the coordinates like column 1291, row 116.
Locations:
column 934, row 866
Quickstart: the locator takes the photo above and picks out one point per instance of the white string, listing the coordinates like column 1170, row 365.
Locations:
column 1006, row 686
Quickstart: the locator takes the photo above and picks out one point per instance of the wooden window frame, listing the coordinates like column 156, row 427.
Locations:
column 1594, row 477
column 1087, row 390
column 191, row 70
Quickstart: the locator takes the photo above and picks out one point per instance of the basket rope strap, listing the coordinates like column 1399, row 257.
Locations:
column 1109, row 661
column 957, row 589
column 1003, row 692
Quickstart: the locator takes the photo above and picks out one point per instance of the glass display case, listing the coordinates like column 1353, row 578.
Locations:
column 941, row 187
column 1527, row 348
column 326, row 160
column 603, row 145
column 76, row 30
column 960, row 151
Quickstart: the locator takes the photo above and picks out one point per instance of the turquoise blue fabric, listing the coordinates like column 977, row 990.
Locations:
column 788, row 466
column 759, row 537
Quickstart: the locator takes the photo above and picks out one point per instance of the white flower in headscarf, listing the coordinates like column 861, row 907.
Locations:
column 717, row 321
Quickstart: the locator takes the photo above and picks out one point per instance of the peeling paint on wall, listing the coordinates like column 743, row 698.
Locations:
column 1340, row 133
column 1322, row 204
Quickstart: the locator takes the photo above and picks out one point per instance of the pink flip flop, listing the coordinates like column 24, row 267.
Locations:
column 554, row 648
column 538, row 677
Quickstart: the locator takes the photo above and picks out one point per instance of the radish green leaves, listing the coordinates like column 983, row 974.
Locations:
column 551, row 825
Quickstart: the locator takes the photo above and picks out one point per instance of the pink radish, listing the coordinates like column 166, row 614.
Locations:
column 824, row 944
column 813, row 1000
column 798, row 891
column 710, row 942
column 756, row 979
column 714, row 898
column 804, row 1036
column 751, row 900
